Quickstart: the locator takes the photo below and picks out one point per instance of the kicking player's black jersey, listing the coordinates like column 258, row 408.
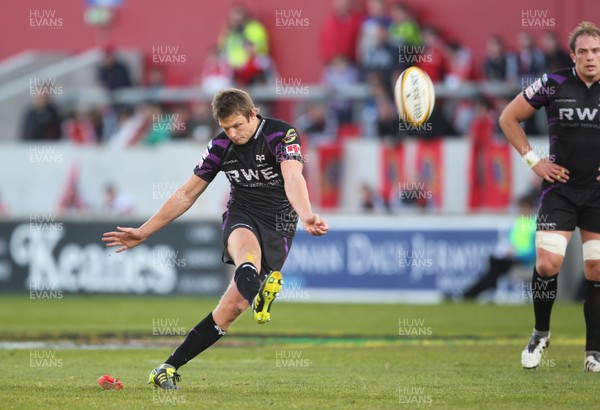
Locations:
column 254, row 169
column 573, row 111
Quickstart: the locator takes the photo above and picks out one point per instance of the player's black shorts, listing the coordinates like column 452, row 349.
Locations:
column 563, row 207
column 274, row 236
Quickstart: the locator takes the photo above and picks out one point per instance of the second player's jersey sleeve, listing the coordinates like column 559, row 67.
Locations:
column 538, row 94
column 289, row 146
column 210, row 163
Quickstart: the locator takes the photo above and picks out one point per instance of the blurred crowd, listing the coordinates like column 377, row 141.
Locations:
column 369, row 47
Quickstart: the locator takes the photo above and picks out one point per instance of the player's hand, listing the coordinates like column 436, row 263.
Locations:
column 550, row 171
column 598, row 177
column 314, row 225
column 126, row 238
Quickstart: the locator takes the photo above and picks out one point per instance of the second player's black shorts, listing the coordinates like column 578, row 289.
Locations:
column 275, row 236
column 563, row 207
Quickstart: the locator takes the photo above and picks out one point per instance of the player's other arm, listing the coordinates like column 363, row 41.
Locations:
column 517, row 111
column 177, row 204
column 297, row 194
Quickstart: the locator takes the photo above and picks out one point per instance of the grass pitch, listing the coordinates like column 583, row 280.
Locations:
column 311, row 356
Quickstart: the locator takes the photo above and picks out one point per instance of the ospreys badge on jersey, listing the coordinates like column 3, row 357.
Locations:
column 290, row 136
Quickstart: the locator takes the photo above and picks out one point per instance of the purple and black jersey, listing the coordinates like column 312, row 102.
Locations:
column 254, row 169
column 573, row 111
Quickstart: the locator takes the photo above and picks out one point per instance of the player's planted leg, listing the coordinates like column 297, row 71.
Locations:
column 543, row 293
column 591, row 312
column 267, row 293
column 200, row 338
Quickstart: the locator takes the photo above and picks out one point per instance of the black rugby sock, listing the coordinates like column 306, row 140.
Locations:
column 591, row 312
column 543, row 294
column 200, row 338
column 247, row 281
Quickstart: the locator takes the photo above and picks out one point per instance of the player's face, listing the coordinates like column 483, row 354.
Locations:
column 238, row 128
column 587, row 57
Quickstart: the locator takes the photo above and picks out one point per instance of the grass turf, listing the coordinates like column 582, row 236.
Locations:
column 310, row 356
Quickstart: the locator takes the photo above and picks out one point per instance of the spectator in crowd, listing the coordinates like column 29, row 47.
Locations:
column 81, row 126
column 113, row 73
column 258, row 69
column 530, row 59
column 404, row 29
column 435, row 63
column 216, row 73
column 181, row 120
column 116, row 203
column 460, row 66
column 317, row 123
column 555, row 57
column 368, row 34
column 500, row 64
column 381, row 58
column 159, row 124
column 370, row 201
column 42, row 121
column 339, row 34
column 338, row 75
column 379, row 114
column 240, row 29
column 201, row 124
column 518, row 248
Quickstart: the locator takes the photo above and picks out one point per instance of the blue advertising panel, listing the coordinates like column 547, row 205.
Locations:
column 444, row 260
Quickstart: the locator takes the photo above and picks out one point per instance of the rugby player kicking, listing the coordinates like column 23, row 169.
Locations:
column 262, row 159
column 570, row 188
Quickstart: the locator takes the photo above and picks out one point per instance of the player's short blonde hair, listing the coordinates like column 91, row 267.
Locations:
column 231, row 101
column 585, row 28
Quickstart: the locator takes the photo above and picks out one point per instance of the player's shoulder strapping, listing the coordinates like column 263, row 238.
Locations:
column 544, row 88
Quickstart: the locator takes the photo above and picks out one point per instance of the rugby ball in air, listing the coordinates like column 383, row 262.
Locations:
column 414, row 96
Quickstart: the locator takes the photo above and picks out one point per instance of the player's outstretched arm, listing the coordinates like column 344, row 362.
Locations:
column 519, row 110
column 175, row 206
column 297, row 193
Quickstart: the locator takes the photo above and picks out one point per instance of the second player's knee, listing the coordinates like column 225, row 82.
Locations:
column 547, row 266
